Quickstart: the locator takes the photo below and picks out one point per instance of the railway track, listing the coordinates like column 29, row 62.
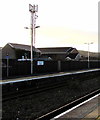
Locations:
column 52, row 114
column 31, row 91
column 37, row 87
column 57, row 90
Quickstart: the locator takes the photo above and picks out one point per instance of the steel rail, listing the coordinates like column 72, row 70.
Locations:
column 62, row 109
column 27, row 92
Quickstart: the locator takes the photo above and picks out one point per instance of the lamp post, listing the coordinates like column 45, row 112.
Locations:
column 33, row 9
column 34, row 33
column 88, row 54
column 7, row 57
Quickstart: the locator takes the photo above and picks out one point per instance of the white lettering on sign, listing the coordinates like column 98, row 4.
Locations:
column 40, row 62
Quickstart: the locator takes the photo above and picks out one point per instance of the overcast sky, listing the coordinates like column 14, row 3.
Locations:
column 62, row 23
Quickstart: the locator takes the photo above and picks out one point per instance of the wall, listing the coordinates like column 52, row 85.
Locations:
column 8, row 50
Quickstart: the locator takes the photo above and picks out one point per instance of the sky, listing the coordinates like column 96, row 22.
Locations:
column 62, row 23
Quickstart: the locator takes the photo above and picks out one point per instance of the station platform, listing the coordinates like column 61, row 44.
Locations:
column 46, row 75
column 89, row 110
column 94, row 114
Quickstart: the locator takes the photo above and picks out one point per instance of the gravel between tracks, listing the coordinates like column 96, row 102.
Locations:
column 33, row 106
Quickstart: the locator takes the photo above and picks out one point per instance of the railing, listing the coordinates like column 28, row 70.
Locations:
column 17, row 68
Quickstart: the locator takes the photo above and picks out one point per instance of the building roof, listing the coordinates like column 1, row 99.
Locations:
column 22, row 47
column 56, row 50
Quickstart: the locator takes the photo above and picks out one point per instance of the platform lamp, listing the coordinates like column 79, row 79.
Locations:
column 88, row 54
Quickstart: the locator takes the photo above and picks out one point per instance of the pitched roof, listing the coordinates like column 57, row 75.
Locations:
column 23, row 47
column 56, row 50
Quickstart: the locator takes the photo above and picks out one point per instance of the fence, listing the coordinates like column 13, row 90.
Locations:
column 18, row 68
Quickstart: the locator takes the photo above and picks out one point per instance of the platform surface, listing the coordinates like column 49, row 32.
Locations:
column 87, row 111
column 45, row 76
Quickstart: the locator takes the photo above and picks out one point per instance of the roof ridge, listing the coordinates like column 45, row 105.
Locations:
column 53, row 47
column 19, row 44
column 22, row 47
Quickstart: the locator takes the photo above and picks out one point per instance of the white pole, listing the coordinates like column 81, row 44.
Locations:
column 7, row 67
column 88, row 54
column 31, row 43
column 34, row 28
column 33, row 9
column 88, row 57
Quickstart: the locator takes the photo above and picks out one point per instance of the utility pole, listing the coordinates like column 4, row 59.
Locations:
column 33, row 9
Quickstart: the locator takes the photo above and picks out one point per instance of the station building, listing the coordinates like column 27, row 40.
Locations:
column 20, row 51
column 60, row 53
